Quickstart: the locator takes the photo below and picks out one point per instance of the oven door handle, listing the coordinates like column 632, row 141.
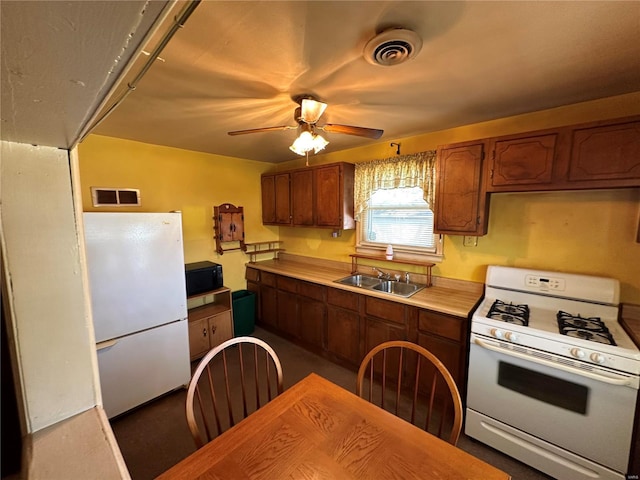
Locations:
column 559, row 366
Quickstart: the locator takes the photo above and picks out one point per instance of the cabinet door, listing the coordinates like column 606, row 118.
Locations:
column 276, row 201
column 377, row 332
column 221, row 328
column 302, row 190
column 460, row 201
column 288, row 313
column 312, row 314
column 343, row 337
column 606, row 153
column 268, row 306
column 449, row 353
column 329, row 196
column 198, row 338
column 523, row 161
column 255, row 288
column 231, row 227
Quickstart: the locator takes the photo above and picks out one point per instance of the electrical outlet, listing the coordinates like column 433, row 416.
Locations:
column 470, row 241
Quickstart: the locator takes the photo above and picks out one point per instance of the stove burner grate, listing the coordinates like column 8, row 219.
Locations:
column 586, row 328
column 508, row 312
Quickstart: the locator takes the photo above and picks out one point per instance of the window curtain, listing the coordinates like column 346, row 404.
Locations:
column 404, row 171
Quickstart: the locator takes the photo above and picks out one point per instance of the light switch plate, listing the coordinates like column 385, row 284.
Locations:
column 470, row 241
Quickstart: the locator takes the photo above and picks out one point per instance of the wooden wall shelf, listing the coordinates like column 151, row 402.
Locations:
column 257, row 248
column 382, row 258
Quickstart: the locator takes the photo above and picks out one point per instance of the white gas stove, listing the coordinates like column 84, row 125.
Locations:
column 552, row 373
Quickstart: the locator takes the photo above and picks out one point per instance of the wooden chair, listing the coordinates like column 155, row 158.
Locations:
column 237, row 371
column 412, row 383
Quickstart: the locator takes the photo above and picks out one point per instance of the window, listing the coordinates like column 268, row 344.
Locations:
column 400, row 217
column 394, row 205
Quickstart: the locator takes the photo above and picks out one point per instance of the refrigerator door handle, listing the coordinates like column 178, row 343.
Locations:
column 107, row 344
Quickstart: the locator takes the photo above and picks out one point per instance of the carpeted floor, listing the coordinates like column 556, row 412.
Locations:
column 155, row 437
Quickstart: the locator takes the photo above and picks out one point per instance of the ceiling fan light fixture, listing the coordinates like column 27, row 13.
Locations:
column 311, row 110
column 392, row 47
column 308, row 141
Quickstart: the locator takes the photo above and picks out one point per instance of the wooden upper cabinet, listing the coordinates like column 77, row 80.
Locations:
column 334, row 196
column 320, row 196
column 460, row 200
column 302, row 198
column 527, row 160
column 604, row 153
column 276, row 199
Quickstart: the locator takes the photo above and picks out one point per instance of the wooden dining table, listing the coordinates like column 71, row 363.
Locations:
column 318, row 430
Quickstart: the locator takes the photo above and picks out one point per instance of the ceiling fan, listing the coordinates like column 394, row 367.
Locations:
column 307, row 116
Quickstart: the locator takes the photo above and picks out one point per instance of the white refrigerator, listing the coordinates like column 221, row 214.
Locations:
column 136, row 277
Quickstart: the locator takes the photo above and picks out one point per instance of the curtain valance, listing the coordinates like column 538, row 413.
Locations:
column 404, row 171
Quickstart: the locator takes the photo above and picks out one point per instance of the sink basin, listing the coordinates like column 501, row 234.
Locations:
column 387, row 286
column 398, row 288
column 359, row 281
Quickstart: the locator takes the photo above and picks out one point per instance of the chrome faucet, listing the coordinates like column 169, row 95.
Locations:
column 382, row 274
column 407, row 277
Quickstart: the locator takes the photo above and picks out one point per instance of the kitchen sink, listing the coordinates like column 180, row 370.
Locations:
column 398, row 288
column 391, row 287
column 359, row 281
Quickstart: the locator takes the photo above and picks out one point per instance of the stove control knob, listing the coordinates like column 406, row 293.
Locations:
column 576, row 352
column 497, row 333
column 597, row 358
column 512, row 337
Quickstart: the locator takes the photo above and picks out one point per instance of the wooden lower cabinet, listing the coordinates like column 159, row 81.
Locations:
column 209, row 326
column 343, row 325
column 446, row 337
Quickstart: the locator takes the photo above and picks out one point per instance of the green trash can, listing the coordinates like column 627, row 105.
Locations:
column 244, row 312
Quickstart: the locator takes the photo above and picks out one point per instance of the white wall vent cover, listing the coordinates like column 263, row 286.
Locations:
column 122, row 197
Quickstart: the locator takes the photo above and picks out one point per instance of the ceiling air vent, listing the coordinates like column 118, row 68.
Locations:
column 392, row 47
column 118, row 197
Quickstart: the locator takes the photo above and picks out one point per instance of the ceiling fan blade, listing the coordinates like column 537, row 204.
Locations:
column 350, row 130
column 311, row 110
column 264, row 129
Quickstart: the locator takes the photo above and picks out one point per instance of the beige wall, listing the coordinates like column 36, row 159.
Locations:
column 590, row 232
column 49, row 320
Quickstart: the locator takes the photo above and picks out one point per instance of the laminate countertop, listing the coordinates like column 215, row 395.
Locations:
column 452, row 297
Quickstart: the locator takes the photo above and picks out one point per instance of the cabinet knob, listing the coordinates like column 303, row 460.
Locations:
column 213, row 329
column 204, row 332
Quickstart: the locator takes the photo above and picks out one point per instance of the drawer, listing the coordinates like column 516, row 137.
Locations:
column 342, row 298
column 391, row 311
column 312, row 290
column 442, row 325
column 267, row 278
column 252, row 274
column 287, row 284
column 206, row 311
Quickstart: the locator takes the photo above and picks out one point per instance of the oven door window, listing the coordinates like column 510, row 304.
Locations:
column 548, row 389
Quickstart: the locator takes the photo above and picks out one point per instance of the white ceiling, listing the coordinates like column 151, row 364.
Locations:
column 235, row 65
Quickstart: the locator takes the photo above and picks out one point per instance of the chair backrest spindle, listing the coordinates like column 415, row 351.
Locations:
column 426, row 396
column 233, row 375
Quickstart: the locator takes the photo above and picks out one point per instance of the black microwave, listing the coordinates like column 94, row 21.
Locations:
column 202, row 277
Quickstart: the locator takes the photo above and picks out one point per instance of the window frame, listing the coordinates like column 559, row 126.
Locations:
column 401, row 252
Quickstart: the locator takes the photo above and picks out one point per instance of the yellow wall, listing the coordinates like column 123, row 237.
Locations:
column 591, row 232
column 173, row 179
